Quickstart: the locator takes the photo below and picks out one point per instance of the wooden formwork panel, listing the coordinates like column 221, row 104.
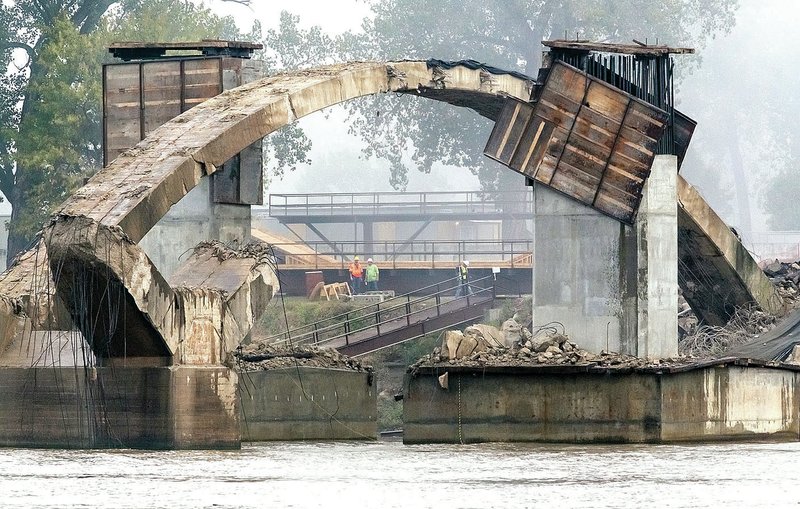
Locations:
column 584, row 138
column 141, row 96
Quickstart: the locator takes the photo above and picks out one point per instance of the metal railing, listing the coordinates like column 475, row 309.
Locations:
column 392, row 314
column 392, row 203
column 403, row 254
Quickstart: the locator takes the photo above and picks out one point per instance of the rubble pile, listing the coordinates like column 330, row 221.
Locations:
column 786, row 278
column 514, row 345
column 271, row 356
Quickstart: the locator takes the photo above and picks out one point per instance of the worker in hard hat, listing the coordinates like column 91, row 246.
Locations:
column 462, row 272
column 356, row 276
column 371, row 276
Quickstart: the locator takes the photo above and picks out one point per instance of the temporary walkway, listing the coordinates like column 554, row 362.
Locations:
column 422, row 254
column 399, row 206
column 402, row 318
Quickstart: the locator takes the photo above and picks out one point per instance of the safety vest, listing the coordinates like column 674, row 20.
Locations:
column 372, row 273
column 463, row 273
column 356, row 270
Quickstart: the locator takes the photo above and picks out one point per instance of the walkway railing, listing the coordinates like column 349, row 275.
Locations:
column 420, row 253
column 390, row 316
column 393, row 203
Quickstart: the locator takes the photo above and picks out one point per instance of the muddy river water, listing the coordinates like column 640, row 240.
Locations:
column 389, row 474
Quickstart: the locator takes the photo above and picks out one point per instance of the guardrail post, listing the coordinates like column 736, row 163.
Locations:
column 316, row 334
column 408, row 310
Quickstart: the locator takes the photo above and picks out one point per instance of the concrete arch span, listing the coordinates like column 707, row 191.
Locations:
column 98, row 227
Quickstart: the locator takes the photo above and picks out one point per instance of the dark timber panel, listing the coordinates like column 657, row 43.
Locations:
column 584, row 138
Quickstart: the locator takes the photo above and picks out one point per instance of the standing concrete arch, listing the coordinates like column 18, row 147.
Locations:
column 98, row 228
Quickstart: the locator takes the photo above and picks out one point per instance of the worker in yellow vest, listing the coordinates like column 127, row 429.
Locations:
column 371, row 276
column 463, row 289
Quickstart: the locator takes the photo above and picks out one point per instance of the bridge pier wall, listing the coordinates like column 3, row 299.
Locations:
column 533, row 404
column 179, row 407
column 612, row 286
column 306, row 403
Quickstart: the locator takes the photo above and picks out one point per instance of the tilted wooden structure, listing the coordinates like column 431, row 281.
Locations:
column 584, row 138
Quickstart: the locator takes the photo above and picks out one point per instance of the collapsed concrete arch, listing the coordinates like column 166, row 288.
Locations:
column 98, row 228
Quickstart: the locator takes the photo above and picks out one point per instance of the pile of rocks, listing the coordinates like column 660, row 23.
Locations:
column 270, row 356
column 484, row 345
column 786, row 278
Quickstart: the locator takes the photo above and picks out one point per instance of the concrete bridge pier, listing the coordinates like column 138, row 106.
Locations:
column 613, row 286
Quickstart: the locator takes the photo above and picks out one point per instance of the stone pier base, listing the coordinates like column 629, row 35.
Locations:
column 183, row 407
column 559, row 404
column 308, row 404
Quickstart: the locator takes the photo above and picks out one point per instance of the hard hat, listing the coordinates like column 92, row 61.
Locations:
column 355, row 259
column 369, row 260
column 466, row 262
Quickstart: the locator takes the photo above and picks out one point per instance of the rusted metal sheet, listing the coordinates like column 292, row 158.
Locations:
column 584, row 138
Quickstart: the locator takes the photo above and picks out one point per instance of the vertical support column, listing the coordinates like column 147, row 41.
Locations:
column 657, row 253
column 369, row 238
column 584, row 273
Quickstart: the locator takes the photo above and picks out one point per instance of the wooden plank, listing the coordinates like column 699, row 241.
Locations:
column 122, row 76
column 128, row 127
column 609, row 204
column 122, row 112
column 629, row 197
column 625, row 49
column 583, row 160
column 564, row 81
column 531, row 146
column 683, row 130
column 606, row 101
column 503, row 123
column 554, row 147
column 511, row 138
column 555, row 113
column 635, row 152
column 631, row 173
column 201, row 91
column 122, row 96
column 573, row 182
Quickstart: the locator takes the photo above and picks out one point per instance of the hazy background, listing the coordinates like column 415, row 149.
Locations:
column 740, row 89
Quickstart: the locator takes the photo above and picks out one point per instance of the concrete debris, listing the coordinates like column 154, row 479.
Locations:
column 487, row 334
column 549, row 348
column 785, row 276
column 794, row 357
column 271, row 356
column 444, row 381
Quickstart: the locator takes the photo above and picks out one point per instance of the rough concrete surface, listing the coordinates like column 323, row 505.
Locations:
column 551, row 404
column 717, row 273
column 139, row 187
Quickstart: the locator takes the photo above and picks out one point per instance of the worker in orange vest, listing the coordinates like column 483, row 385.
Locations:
column 356, row 276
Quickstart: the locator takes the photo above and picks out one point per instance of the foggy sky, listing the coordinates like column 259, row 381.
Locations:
column 762, row 46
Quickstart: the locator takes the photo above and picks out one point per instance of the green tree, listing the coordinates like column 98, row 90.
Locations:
column 50, row 100
column 503, row 33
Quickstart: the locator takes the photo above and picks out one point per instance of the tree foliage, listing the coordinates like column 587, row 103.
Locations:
column 50, row 113
column 502, row 33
